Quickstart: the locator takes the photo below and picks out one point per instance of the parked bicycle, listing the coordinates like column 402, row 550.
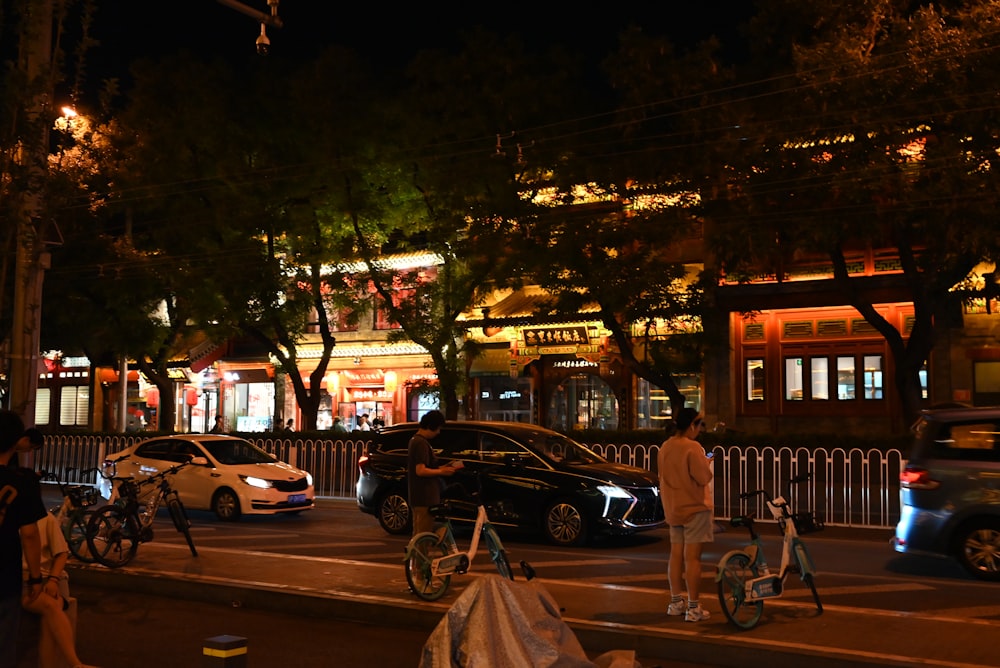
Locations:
column 432, row 557
column 115, row 531
column 74, row 513
column 744, row 578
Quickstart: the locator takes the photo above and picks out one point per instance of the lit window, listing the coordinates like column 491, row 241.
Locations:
column 74, row 402
column 755, row 380
column 846, row 379
column 42, row 398
column 819, row 378
column 793, row 379
column 873, row 376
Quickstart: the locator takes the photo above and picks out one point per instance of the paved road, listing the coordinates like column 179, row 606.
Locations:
column 880, row 610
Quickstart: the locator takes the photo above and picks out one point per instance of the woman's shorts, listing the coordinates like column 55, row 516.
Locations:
column 699, row 529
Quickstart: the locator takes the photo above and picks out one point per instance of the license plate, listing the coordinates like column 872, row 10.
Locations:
column 296, row 498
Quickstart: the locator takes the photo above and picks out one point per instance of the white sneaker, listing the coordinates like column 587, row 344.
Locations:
column 677, row 609
column 696, row 614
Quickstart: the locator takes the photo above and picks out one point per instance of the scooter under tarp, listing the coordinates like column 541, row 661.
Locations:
column 498, row 623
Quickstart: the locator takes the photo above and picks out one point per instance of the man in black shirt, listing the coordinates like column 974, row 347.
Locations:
column 21, row 506
column 423, row 472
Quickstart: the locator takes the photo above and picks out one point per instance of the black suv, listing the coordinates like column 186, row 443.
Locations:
column 950, row 489
column 531, row 478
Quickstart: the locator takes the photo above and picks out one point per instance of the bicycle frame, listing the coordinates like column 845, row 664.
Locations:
column 118, row 528
column 768, row 584
column 459, row 562
column 73, row 515
column 429, row 577
column 744, row 579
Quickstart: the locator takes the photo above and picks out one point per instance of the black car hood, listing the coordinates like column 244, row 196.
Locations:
column 618, row 474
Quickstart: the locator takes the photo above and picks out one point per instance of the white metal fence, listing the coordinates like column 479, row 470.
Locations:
column 849, row 487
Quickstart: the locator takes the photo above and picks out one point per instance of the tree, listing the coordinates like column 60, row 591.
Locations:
column 874, row 129
column 254, row 204
column 33, row 62
column 453, row 187
column 618, row 237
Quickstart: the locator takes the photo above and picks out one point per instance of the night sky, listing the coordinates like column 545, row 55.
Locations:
column 383, row 33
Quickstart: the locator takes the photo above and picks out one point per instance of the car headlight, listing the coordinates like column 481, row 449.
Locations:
column 309, row 479
column 253, row 481
column 612, row 492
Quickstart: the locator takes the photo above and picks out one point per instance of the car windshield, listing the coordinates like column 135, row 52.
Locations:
column 558, row 448
column 237, row 451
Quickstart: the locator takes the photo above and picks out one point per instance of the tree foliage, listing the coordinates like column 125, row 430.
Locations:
column 616, row 213
column 874, row 129
column 454, row 189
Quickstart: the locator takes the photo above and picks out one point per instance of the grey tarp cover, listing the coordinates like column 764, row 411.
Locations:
column 497, row 623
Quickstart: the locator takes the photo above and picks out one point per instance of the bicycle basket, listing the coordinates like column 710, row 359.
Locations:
column 83, row 496
column 128, row 489
column 807, row 523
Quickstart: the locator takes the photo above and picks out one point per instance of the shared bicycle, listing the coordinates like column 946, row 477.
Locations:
column 744, row 578
column 432, row 557
column 115, row 531
column 74, row 513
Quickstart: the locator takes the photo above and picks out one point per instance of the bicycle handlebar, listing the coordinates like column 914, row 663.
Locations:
column 150, row 481
column 162, row 475
column 794, row 480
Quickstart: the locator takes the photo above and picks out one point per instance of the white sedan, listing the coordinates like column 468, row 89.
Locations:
column 238, row 479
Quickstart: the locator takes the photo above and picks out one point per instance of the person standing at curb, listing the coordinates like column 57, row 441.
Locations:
column 423, row 472
column 21, row 507
column 685, row 477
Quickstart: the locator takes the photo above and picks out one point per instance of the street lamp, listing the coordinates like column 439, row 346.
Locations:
column 272, row 19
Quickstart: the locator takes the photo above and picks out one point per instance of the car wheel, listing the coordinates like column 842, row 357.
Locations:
column 394, row 514
column 564, row 524
column 226, row 505
column 977, row 547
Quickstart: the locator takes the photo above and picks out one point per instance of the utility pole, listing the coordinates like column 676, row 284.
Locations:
column 31, row 259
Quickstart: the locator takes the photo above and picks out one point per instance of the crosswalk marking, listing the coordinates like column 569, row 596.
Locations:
column 575, row 563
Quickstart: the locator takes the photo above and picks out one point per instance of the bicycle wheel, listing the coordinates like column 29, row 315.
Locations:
column 181, row 521
column 422, row 550
column 75, row 530
column 112, row 536
column 498, row 554
column 735, row 572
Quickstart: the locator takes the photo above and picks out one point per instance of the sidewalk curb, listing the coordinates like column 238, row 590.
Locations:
column 680, row 644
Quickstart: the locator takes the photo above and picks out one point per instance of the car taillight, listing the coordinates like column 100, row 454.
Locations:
column 914, row 477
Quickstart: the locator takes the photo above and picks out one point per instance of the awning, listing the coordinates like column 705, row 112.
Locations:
column 493, row 362
column 109, row 375
column 252, row 376
column 205, row 354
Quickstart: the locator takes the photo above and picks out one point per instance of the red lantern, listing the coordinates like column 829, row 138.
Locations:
column 191, row 397
column 153, row 397
column 390, row 381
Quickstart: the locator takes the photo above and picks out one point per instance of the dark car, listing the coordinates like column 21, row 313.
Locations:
column 531, row 478
column 950, row 489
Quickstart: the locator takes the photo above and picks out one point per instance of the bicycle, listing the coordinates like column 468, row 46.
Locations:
column 116, row 530
column 744, row 578
column 74, row 513
column 429, row 576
